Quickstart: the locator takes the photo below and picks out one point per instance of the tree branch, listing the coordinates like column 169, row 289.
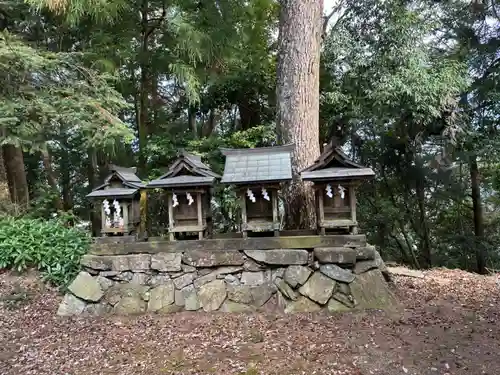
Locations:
column 158, row 22
column 326, row 19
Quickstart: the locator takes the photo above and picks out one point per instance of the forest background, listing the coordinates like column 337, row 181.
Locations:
column 409, row 88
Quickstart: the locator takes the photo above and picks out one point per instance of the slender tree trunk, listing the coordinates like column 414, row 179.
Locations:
column 250, row 111
column 142, row 121
column 424, row 229
column 66, row 186
column 298, row 100
column 51, row 179
column 477, row 207
column 16, row 175
column 4, row 186
column 192, row 121
column 3, row 174
column 209, row 126
column 95, row 214
column 155, row 103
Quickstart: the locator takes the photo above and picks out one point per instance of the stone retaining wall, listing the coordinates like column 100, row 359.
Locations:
column 289, row 280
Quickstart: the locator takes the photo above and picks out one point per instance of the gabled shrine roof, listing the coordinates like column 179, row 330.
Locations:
column 186, row 170
column 126, row 175
column 128, row 179
column 113, row 193
column 262, row 164
column 333, row 164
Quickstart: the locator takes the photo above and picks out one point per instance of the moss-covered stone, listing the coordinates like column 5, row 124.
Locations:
column 161, row 296
column 86, row 287
column 212, row 295
column 371, row 291
column 303, row 304
column 318, row 288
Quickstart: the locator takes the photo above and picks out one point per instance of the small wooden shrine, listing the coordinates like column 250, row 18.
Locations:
column 118, row 198
column 335, row 178
column 188, row 185
column 257, row 173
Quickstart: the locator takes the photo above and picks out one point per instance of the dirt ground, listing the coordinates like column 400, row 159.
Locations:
column 450, row 325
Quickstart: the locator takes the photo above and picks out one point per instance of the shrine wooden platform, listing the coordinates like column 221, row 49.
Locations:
column 286, row 240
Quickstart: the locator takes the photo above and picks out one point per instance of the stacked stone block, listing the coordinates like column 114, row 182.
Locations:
column 286, row 280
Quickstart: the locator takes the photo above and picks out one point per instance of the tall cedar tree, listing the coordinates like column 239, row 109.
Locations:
column 298, row 100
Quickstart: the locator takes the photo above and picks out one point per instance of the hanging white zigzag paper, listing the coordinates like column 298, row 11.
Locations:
column 117, row 207
column 250, row 195
column 174, row 200
column 265, row 195
column 342, row 192
column 190, row 199
column 105, row 205
column 329, row 192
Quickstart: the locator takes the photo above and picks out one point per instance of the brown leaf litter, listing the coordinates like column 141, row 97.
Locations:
column 449, row 326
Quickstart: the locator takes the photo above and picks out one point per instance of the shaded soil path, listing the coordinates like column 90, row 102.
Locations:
column 450, row 325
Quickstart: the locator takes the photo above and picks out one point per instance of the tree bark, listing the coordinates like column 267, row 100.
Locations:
column 250, row 112
column 424, row 228
column 209, row 126
column 95, row 214
column 16, row 174
column 66, row 185
column 477, row 207
column 192, row 121
column 51, row 179
column 3, row 174
column 298, row 100
column 142, row 121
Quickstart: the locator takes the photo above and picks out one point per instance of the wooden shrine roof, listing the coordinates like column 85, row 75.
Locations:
column 128, row 179
column 187, row 170
column 333, row 164
column 263, row 164
column 113, row 193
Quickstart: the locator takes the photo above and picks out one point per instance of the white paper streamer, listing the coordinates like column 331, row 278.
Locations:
column 329, row 192
column 250, row 195
column 342, row 192
column 190, row 199
column 105, row 204
column 265, row 195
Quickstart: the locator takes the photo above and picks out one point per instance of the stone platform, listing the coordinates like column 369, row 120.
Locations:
column 310, row 273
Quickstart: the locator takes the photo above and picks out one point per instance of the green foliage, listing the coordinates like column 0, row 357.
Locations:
column 410, row 88
column 50, row 246
column 258, row 136
column 74, row 11
column 44, row 92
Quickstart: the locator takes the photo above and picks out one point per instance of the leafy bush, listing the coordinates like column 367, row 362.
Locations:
column 48, row 245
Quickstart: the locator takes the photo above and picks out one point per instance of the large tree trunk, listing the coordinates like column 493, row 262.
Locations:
column 298, row 100
column 477, row 207
column 16, row 174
